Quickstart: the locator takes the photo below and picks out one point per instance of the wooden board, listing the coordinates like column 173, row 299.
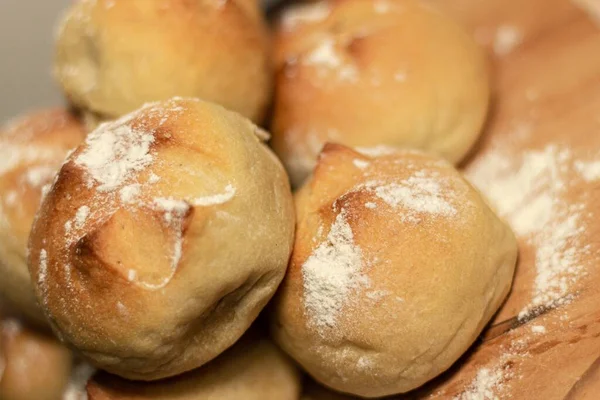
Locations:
column 545, row 57
column 548, row 85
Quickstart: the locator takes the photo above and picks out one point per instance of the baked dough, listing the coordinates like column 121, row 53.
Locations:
column 397, row 266
column 32, row 366
column 114, row 56
column 163, row 237
column 251, row 370
column 32, row 149
column 370, row 72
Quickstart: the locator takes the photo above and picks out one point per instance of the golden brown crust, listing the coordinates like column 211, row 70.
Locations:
column 141, row 251
column 398, row 265
column 32, row 365
column 32, row 148
column 114, row 56
column 337, row 80
column 251, row 370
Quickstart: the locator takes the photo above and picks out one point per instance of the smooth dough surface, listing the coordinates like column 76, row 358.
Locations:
column 32, row 149
column 33, row 366
column 162, row 238
column 253, row 369
column 397, row 266
column 112, row 56
column 370, row 72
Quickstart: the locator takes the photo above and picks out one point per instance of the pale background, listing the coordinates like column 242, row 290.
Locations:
column 26, row 40
column 26, row 45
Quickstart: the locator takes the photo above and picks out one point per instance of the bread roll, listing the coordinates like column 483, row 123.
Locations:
column 163, row 237
column 313, row 391
column 80, row 376
column 112, row 56
column 251, row 370
column 32, row 149
column 32, row 366
column 398, row 265
column 369, row 72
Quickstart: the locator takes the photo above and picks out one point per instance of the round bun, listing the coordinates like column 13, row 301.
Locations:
column 162, row 238
column 32, row 149
column 251, row 370
column 32, row 365
column 370, row 72
column 398, row 265
column 114, row 56
column 314, row 391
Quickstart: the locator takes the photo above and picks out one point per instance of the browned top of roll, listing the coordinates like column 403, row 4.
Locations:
column 32, row 148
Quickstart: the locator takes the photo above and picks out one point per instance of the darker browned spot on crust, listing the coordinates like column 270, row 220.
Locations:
column 355, row 47
column 90, row 251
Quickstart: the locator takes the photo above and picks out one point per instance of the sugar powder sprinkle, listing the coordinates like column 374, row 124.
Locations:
column 112, row 156
column 331, row 273
column 507, row 38
column 419, row 193
column 327, row 57
column 484, row 386
column 423, row 192
column 80, row 376
column 530, row 195
column 530, row 192
column 303, row 14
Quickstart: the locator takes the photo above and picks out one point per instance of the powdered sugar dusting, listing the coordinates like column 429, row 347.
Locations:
column 484, row 386
column 492, row 381
column 328, row 58
column 529, row 193
column 14, row 155
column 175, row 211
column 80, row 376
column 215, row 199
column 508, row 37
column 377, row 295
column 377, row 151
column 131, row 275
column 128, row 194
column 153, row 178
column 361, row 164
column 171, row 207
column 365, row 363
column 45, row 190
column 43, row 271
column 11, row 198
column 303, row 14
column 324, row 54
column 112, row 156
column 39, row 175
column 422, row 192
column 331, row 273
column 538, row 329
column 590, row 171
column 81, row 216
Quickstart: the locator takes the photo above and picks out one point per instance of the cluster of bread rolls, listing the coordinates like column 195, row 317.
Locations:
column 150, row 224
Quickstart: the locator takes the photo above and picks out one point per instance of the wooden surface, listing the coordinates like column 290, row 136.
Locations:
column 546, row 96
column 550, row 83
